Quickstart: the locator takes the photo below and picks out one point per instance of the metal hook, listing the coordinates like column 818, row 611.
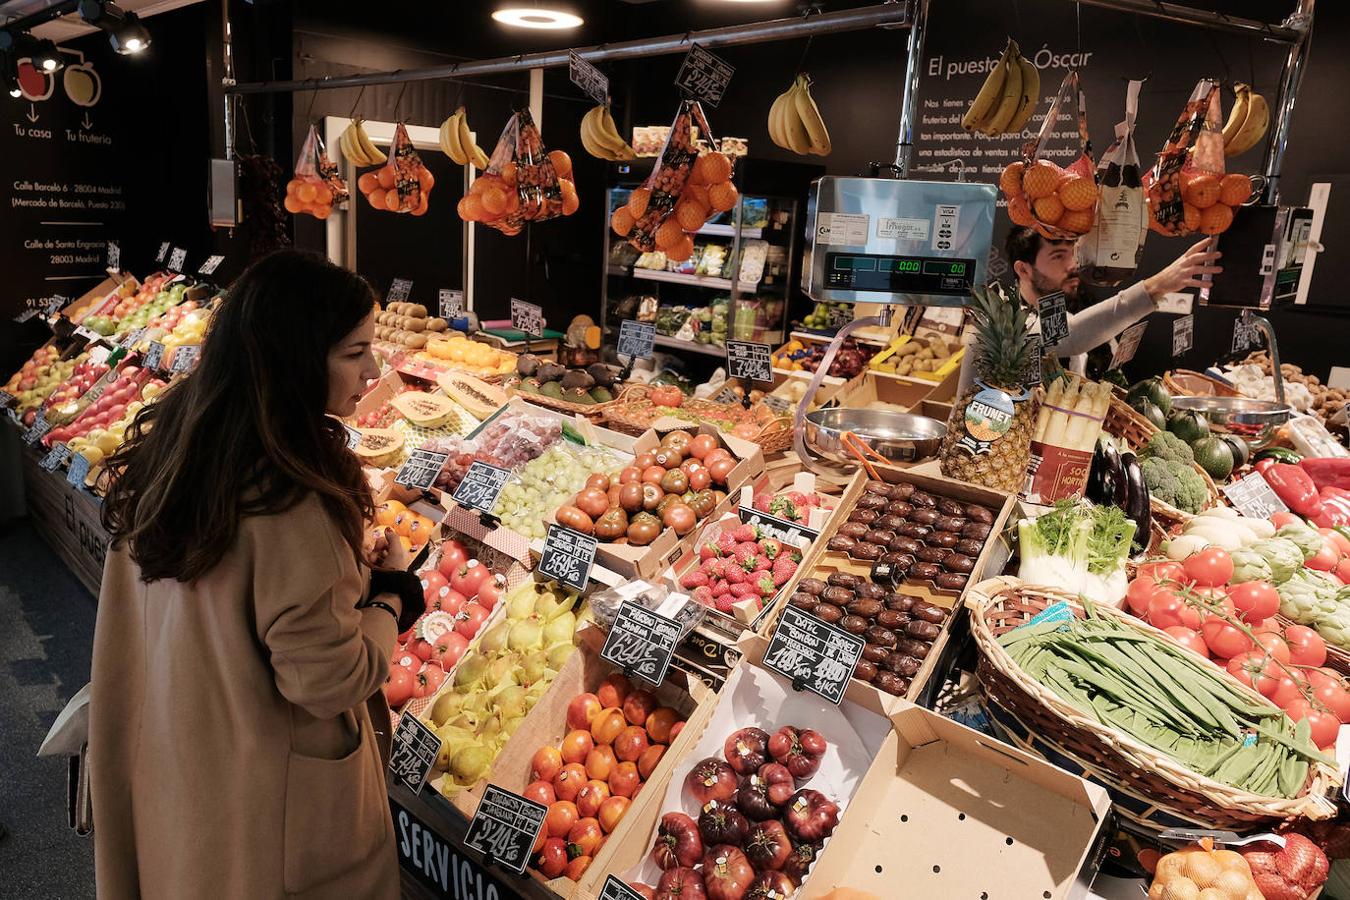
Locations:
column 359, row 94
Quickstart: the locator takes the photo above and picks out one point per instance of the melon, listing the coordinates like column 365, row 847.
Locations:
column 1214, row 456
column 1188, row 425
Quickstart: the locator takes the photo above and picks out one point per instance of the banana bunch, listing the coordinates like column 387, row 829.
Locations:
column 1008, row 97
column 357, row 146
column 1247, row 121
column 795, row 123
column 457, row 142
column 600, row 136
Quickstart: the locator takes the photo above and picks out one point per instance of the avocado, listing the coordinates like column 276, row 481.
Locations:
column 529, row 386
column 576, row 378
column 510, row 381
column 527, row 364
column 578, row 395
column 603, row 374
column 549, row 371
column 601, row 394
column 551, row 389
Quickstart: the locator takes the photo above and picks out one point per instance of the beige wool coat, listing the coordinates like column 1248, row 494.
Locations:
column 232, row 753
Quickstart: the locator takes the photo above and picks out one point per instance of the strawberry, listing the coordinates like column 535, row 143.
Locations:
column 726, row 541
column 721, row 588
column 747, row 556
column 801, row 499
column 763, row 563
column 771, row 547
column 763, row 500
column 795, row 554
column 783, row 570
column 694, row 579
column 714, row 568
column 709, row 550
column 723, row 603
column 704, row 595
column 784, row 508
column 764, row 585
column 735, row 575
column 741, row 591
column 746, row 534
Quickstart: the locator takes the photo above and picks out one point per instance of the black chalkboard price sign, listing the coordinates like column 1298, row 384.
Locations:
column 78, row 471
column 794, row 533
column 414, row 748
column 400, row 289
column 176, row 259
column 635, row 339
column 114, row 256
column 504, row 828
column 641, row 642
column 593, row 82
column 814, row 654
column 154, row 357
column 481, row 486
column 7, row 400
column 747, row 359
column 421, row 468
column 451, row 303
column 615, row 889
column 568, row 557
column 1054, row 315
column 212, row 263
column 527, row 317
column 704, row 76
column 163, row 253
column 40, row 426
column 185, row 358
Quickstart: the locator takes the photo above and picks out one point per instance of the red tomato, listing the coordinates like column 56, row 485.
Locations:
column 1257, row 670
column 428, row 680
column 1209, row 567
column 470, row 619
column 1342, row 568
column 1331, row 693
column 1163, row 570
column 1306, row 647
column 1324, row 725
column 1188, row 639
column 1224, row 640
column 453, row 556
column 469, row 577
column 1166, row 609
column 1273, row 644
column 1292, row 686
column 1281, row 519
column 398, row 686
column 1255, row 601
column 1341, row 541
column 1138, row 594
column 1325, row 559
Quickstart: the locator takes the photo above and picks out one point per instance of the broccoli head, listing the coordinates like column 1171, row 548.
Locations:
column 1167, row 446
column 1175, row 484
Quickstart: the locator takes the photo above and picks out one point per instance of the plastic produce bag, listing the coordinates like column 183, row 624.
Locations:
column 684, row 190
column 403, row 184
column 655, row 597
column 316, row 185
column 1110, row 253
column 1060, row 203
column 524, row 182
column 1188, row 191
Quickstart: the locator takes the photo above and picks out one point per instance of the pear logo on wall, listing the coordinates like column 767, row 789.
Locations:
column 82, row 84
column 79, row 80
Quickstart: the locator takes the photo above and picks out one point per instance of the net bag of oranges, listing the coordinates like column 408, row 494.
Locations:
column 316, row 185
column 524, row 181
column 1188, row 191
column 1059, row 203
column 403, row 184
column 1110, row 253
column 684, row 190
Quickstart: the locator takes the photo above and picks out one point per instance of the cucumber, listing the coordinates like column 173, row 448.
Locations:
column 1279, row 454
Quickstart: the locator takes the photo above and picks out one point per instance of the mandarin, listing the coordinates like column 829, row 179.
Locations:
column 690, row 215
column 386, row 177
column 570, row 202
column 1079, row 221
column 1235, row 189
column 1077, row 193
column 1190, row 217
column 1041, row 179
column 723, row 196
column 1216, row 219
column 621, row 221
column 1201, row 191
column 668, row 233
column 562, row 163
column 1019, row 210
column 1011, row 180
column 1048, row 209
column 637, row 202
column 682, row 249
column 713, row 167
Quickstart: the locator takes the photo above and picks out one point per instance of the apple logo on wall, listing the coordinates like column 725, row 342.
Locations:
column 82, row 84
column 35, row 84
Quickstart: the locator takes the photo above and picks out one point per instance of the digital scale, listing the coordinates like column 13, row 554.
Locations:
column 894, row 241
column 1263, row 254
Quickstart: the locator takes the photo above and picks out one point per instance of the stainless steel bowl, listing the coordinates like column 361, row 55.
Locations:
column 899, row 437
column 1253, row 420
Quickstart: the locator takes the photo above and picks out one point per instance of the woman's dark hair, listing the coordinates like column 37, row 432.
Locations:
column 246, row 434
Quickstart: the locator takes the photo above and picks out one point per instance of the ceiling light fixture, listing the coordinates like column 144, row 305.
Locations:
column 130, row 37
column 125, row 31
column 46, row 57
column 540, row 17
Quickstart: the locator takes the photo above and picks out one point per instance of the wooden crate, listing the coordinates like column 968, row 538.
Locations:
column 68, row 519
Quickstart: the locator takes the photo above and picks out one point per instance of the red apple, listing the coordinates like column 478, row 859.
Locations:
column 581, row 710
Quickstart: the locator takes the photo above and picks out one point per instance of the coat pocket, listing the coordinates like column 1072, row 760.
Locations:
column 337, row 814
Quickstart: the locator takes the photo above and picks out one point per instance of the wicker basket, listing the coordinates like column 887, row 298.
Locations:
column 1121, row 763
column 1126, row 422
column 1186, row 383
column 595, row 411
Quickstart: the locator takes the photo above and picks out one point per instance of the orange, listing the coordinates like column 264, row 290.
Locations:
column 1235, row 189
column 494, row 201
column 419, row 210
column 292, row 204
column 621, row 221
column 1079, row 221
column 386, row 177
column 407, row 544
column 1020, row 211
column 668, row 234
column 293, row 185
column 508, row 173
column 562, row 163
column 723, row 196
column 696, row 193
column 1041, row 179
column 473, row 208
column 713, row 167
column 323, row 195
column 1201, row 191
column 387, row 511
column 1215, row 219
column 306, row 191
column 1048, row 209
column 368, row 182
column 320, row 211
column 682, row 249
column 1077, row 192
column 1011, row 180
column 376, row 198
column 570, row 201
column 1190, row 217
column 426, row 179
column 392, row 201
column 690, row 215
column 637, row 203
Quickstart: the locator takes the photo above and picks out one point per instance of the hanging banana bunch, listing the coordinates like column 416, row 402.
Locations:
column 1008, row 96
column 357, row 146
column 600, row 136
column 795, row 122
column 457, row 142
column 1247, row 121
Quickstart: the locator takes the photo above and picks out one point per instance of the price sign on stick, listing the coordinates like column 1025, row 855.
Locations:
column 505, row 827
column 452, row 303
column 40, row 426
column 413, row 751
column 78, row 471
column 421, row 469
column 815, row 655
column 7, row 400
column 1183, row 334
column 527, row 317
column 615, row 889
column 185, row 358
column 176, row 259
column 635, row 339
column 1244, row 336
column 481, row 486
column 704, row 76
column 212, row 263
column 154, row 356
column 1128, row 345
column 163, row 253
column 747, row 359
column 55, row 305
column 55, row 457
column 568, row 557
column 593, row 82
column 353, row 437
column 1253, row 497
column 400, row 289
column 1054, row 316
column 114, row 256
column 641, row 642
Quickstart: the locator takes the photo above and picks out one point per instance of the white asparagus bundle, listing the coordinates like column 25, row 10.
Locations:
column 1052, row 398
column 1059, row 420
column 1082, row 431
column 1071, row 416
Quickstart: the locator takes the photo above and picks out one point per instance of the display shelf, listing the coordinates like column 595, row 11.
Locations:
column 730, row 231
column 704, row 281
column 662, row 340
column 822, row 338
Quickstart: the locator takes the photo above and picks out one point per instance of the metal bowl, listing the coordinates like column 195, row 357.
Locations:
column 899, row 437
column 1253, row 420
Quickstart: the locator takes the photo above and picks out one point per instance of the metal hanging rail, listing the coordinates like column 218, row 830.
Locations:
column 1175, row 12
column 888, row 14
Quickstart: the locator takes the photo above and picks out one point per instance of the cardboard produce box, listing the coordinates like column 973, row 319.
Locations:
column 546, row 726
column 872, row 390
column 991, row 558
column 946, row 811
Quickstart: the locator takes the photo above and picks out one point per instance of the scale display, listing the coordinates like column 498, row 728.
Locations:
column 899, row 274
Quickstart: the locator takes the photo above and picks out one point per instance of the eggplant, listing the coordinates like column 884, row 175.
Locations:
column 1106, row 478
column 1136, row 506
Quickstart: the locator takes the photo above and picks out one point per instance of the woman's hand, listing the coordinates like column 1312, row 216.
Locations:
column 388, row 552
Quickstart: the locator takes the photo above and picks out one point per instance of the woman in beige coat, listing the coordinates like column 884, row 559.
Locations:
column 238, row 641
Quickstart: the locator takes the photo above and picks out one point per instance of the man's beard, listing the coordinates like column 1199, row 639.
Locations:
column 1044, row 285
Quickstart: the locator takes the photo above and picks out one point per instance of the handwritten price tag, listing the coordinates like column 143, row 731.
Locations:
column 1253, row 497
column 641, row 642
column 593, row 82
column 163, row 253
column 400, row 289
column 815, row 655
column 505, row 827
column 1054, row 316
column 452, row 303
column 635, row 339
column 78, row 471
column 185, row 358
column 704, row 76
column 481, row 486
column 568, row 557
column 114, row 256
column 212, row 263
column 176, row 259
column 55, row 458
column 615, row 889
column 154, row 357
column 1183, row 334
column 527, row 317
column 747, row 359
column 40, row 426
column 413, row 752
column 1128, row 345
column 421, row 469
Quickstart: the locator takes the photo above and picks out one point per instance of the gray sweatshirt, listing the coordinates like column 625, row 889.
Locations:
column 1090, row 328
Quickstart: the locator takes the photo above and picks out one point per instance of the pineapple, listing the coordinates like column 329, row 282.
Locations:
column 1003, row 352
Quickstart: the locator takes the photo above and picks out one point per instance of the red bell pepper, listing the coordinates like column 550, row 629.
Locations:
column 1263, row 464
column 1295, row 487
column 1328, row 472
column 1335, row 508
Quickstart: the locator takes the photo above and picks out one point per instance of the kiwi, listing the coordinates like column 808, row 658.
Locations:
column 417, row 325
column 603, row 374
column 578, row 395
column 527, row 364
column 417, row 311
column 415, row 340
column 576, row 378
column 549, row 371
column 551, row 389
column 437, row 324
column 601, row 394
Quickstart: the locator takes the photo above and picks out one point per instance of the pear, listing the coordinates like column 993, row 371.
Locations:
column 558, row 653
column 526, row 635
column 471, row 764
column 560, row 628
column 494, row 640
column 470, row 672
column 520, row 602
column 446, row 706
column 532, row 667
